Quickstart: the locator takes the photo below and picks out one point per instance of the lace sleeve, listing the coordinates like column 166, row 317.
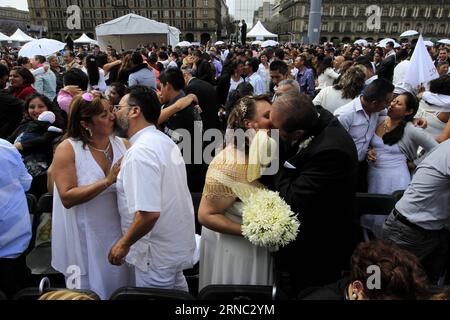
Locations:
column 214, row 187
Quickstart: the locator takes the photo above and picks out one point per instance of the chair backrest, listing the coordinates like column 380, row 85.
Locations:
column 30, row 294
column 32, row 203
column 236, row 292
column 133, row 293
column 196, row 198
column 372, row 210
column 45, row 203
column 376, row 204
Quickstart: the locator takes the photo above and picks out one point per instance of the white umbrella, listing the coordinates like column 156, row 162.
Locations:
column 361, row 42
column 219, row 43
column 257, row 42
column 428, row 43
column 184, row 44
column 383, row 43
column 409, row 33
column 43, row 47
column 269, row 43
column 444, row 41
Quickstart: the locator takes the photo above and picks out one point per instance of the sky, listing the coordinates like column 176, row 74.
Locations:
column 19, row 4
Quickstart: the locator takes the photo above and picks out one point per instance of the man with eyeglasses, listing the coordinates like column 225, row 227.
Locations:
column 360, row 119
column 154, row 201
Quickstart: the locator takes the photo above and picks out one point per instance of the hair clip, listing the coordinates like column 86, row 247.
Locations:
column 88, row 97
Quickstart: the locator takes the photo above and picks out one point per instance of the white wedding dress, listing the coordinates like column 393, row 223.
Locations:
column 231, row 259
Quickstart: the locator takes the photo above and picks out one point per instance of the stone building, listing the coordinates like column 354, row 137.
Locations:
column 198, row 20
column 346, row 20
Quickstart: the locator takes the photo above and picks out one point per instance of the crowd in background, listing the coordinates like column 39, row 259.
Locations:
column 372, row 128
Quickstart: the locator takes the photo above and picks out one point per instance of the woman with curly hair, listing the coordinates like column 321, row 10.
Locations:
column 380, row 270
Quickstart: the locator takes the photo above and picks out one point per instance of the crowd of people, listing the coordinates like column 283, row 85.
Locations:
column 119, row 139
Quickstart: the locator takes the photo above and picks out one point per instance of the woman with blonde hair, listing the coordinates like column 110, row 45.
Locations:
column 226, row 257
column 66, row 295
column 348, row 88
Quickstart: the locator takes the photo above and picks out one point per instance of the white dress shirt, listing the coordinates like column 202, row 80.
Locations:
column 258, row 84
column 359, row 125
column 153, row 179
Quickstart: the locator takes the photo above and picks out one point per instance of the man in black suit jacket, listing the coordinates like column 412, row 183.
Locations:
column 206, row 96
column 244, row 33
column 317, row 178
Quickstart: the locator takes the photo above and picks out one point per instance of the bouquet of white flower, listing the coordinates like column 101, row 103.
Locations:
column 268, row 220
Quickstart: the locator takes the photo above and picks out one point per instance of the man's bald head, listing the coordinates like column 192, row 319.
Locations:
column 293, row 114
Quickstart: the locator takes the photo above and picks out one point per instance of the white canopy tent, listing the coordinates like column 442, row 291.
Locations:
column 4, row 37
column 132, row 30
column 20, row 36
column 260, row 32
column 85, row 39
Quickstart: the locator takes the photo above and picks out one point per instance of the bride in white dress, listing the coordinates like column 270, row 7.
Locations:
column 86, row 222
column 394, row 145
column 226, row 257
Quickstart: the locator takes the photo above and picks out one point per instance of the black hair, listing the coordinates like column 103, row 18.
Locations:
column 253, row 63
column 59, row 119
column 279, row 66
column 163, row 55
column 136, row 58
column 174, row 77
column 39, row 58
column 412, row 104
column 326, row 63
column 120, row 88
column 279, row 53
column 441, row 85
column 402, row 54
column 92, row 70
column 22, row 60
column 102, row 59
column 4, row 71
column 147, row 100
column 76, row 77
column 378, row 90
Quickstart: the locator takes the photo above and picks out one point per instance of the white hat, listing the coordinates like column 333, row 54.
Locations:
column 47, row 116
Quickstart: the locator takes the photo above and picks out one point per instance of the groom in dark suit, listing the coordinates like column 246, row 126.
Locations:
column 317, row 178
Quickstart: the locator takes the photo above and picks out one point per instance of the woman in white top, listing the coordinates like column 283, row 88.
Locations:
column 236, row 76
column 86, row 221
column 348, row 88
column 95, row 74
column 394, row 144
column 264, row 69
column 326, row 74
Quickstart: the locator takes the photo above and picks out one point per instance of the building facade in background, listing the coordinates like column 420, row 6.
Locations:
column 198, row 20
column 244, row 10
column 264, row 13
column 346, row 20
column 12, row 18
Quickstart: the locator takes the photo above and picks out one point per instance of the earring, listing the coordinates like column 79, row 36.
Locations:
column 90, row 131
column 354, row 296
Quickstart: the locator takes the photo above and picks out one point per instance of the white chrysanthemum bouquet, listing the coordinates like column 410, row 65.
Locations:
column 268, row 220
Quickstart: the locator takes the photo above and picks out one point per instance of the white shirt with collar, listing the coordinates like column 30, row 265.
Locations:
column 358, row 124
column 258, row 84
column 153, row 179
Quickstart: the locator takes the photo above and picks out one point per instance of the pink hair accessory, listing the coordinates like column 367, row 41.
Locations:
column 88, row 97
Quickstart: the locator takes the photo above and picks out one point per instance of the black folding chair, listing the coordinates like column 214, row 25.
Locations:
column 32, row 203
column 133, row 293
column 236, row 292
column 372, row 210
column 30, row 294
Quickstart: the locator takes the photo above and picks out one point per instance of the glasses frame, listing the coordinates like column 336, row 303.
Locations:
column 118, row 107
